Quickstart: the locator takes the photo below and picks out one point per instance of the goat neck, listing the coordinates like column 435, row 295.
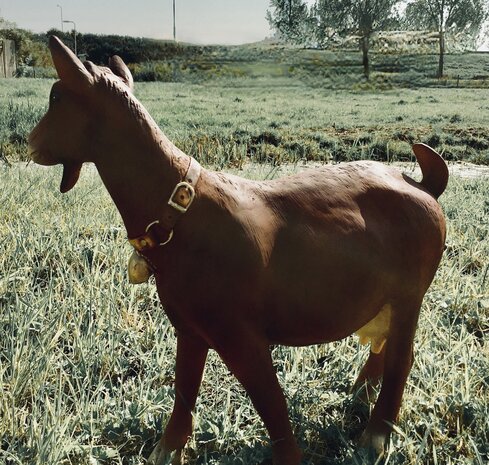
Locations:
column 140, row 168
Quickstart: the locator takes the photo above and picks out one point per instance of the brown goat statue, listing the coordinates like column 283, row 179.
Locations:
column 240, row 264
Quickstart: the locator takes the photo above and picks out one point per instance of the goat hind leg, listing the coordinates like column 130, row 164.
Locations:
column 398, row 359
column 191, row 357
column 369, row 376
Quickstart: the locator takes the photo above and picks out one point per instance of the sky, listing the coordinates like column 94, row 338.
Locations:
column 197, row 21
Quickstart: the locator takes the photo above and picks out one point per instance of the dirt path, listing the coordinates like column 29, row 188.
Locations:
column 459, row 169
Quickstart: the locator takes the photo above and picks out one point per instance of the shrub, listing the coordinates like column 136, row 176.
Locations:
column 152, row 71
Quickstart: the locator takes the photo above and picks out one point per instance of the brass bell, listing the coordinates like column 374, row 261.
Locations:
column 138, row 269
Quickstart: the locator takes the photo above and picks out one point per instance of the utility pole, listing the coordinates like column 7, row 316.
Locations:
column 61, row 12
column 74, row 32
column 174, row 24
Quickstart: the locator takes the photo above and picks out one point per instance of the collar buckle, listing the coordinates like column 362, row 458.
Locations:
column 182, row 197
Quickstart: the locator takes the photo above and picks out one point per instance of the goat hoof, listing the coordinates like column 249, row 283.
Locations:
column 161, row 457
column 375, row 442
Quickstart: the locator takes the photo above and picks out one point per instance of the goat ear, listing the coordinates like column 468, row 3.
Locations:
column 119, row 68
column 70, row 69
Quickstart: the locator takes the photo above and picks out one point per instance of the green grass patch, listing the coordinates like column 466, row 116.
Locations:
column 236, row 121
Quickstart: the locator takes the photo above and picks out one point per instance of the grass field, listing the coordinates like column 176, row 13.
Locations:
column 275, row 120
column 86, row 360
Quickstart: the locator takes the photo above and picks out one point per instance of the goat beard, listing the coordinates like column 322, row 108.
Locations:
column 71, row 173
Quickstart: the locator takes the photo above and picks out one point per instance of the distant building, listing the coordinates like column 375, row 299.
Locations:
column 8, row 58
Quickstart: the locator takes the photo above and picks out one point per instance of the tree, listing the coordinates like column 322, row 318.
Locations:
column 354, row 17
column 457, row 16
column 6, row 24
column 290, row 18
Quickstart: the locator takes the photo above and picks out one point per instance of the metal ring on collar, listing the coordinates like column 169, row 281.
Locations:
column 170, row 236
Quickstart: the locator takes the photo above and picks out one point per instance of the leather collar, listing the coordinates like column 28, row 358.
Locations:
column 160, row 231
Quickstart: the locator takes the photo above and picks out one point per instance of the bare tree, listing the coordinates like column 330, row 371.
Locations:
column 354, row 17
column 458, row 16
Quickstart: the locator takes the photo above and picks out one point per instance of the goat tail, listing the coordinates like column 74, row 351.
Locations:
column 433, row 167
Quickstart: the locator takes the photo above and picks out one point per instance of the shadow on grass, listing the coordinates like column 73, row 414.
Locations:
column 335, row 444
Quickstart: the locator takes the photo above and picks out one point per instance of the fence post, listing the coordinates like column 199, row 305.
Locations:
column 4, row 58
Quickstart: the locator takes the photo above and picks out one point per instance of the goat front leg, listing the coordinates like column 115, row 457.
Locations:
column 250, row 361
column 191, row 357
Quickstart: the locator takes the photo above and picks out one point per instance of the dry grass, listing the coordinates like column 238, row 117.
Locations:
column 86, row 360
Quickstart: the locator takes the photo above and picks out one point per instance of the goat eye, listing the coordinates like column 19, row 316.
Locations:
column 54, row 98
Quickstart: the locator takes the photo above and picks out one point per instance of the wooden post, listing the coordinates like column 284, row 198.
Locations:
column 4, row 57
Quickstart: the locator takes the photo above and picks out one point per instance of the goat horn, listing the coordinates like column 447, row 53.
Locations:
column 70, row 69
